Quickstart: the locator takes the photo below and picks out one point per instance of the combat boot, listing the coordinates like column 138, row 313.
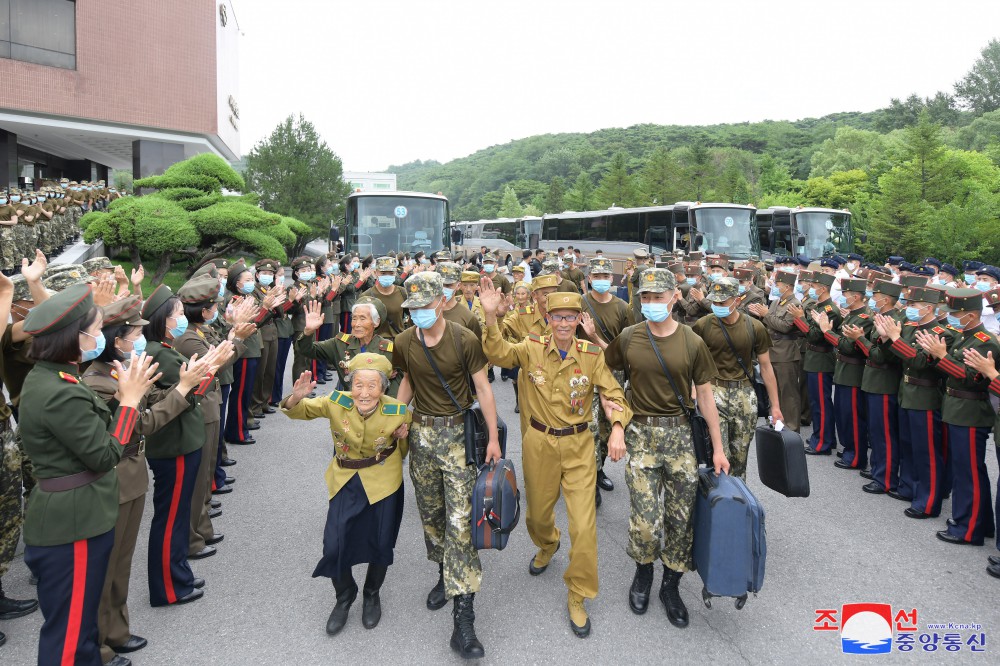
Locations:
column 677, row 612
column 347, row 592
column 436, row 599
column 13, row 608
column 371, row 608
column 463, row 638
column 579, row 621
column 642, row 583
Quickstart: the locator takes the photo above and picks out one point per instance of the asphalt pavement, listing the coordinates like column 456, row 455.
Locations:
column 261, row 605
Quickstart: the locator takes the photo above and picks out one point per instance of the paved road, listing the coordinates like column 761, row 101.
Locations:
column 261, row 606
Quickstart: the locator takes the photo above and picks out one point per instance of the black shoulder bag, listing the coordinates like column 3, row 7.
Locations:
column 763, row 402
column 700, row 437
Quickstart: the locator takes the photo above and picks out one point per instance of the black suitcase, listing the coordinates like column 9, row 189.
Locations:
column 496, row 506
column 781, row 461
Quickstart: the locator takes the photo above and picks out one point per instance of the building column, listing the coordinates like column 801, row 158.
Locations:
column 8, row 159
column 152, row 158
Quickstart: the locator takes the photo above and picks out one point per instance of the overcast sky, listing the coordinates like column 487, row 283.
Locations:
column 387, row 82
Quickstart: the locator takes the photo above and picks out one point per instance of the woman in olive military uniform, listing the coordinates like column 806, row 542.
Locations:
column 364, row 480
column 75, row 442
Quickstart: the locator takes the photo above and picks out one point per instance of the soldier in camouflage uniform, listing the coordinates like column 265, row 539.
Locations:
column 9, row 257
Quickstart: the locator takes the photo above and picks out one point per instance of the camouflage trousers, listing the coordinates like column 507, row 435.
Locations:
column 10, row 497
column 600, row 426
column 9, row 258
column 25, row 242
column 737, row 420
column 27, row 468
column 443, row 483
column 662, row 476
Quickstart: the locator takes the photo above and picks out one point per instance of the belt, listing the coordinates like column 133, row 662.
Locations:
column 361, row 463
column 916, row 381
column 850, row 360
column 559, row 432
column 877, row 366
column 660, row 421
column 71, row 482
column 729, row 383
column 132, row 450
column 822, row 349
column 967, row 395
column 439, row 421
column 784, row 336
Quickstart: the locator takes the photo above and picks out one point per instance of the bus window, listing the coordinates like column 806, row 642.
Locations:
column 624, row 229
column 726, row 230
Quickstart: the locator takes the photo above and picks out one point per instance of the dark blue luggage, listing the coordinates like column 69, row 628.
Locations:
column 496, row 505
column 729, row 539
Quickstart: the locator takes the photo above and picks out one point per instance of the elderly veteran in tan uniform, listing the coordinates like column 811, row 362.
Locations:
column 364, row 480
column 558, row 449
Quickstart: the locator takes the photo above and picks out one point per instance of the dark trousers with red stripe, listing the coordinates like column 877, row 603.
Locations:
column 971, row 495
column 345, row 322
column 70, row 582
column 170, row 575
column 821, row 401
column 883, row 438
column 325, row 332
column 220, row 471
column 907, row 477
column 927, row 450
column 278, row 390
column 238, row 411
column 850, row 412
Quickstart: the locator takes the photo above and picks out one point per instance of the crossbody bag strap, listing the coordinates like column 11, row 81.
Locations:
column 739, row 359
column 670, row 378
column 430, row 359
column 604, row 331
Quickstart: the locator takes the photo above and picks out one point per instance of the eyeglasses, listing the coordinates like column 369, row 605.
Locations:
column 570, row 319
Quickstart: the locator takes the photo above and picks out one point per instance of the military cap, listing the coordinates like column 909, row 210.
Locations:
column 657, row 280
column 441, row 255
column 753, row 258
column 860, row 286
column 923, row 270
column 930, row 295
column 807, row 276
column 561, row 300
column 993, row 297
column 489, row 259
column 769, row 265
column 521, row 283
column 207, row 269
column 470, row 276
column 370, row 361
column 386, row 264
column 237, row 267
column 301, row 262
column 98, row 264
column 677, row 268
column 744, row 273
column 887, row 287
column 551, row 265
column 895, row 260
column 961, row 299
column 948, row 269
column 21, row 290
column 878, row 270
column 839, row 259
column 391, row 253
column 517, row 268
column 722, row 289
column 862, row 274
column 906, row 266
column 991, row 271
column 221, row 262
column 544, row 280
column 853, row 256
column 971, row 266
column 825, row 279
column 60, row 310
column 160, row 295
column 55, row 269
column 65, row 279
column 785, row 277
column 693, row 270
column 423, row 289
column 803, row 261
column 781, row 259
column 126, row 312
column 913, row 280
column 640, row 253
column 601, row 266
column 266, row 265
column 199, row 290
column 450, row 271
column 718, row 262
column 931, row 261
column 827, row 262
column 696, row 256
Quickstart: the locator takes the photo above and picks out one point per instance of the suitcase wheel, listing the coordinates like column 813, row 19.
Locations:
column 740, row 602
column 706, row 597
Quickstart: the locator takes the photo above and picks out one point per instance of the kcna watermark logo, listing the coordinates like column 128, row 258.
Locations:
column 877, row 629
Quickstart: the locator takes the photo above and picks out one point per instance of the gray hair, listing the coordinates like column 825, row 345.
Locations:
column 349, row 378
column 371, row 309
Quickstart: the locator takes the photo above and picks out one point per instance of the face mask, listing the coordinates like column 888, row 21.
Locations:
column 954, row 322
column 386, row 280
column 721, row 312
column 842, row 301
column 970, row 279
column 799, row 289
column 712, row 277
column 601, row 286
column 775, row 292
column 812, row 293
column 983, row 286
column 655, row 312
column 3, row 202
column 741, row 290
column 212, row 319
column 333, row 270
column 449, row 293
column 871, row 303
column 15, row 198
column 869, row 293
column 913, row 313
column 902, row 300
column 182, row 325
column 851, row 267
column 265, row 280
column 356, row 265
column 425, row 262
column 222, row 290
column 489, row 268
column 691, row 280
column 91, row 354
column 247, row 288
column 139, row 345
column 305, row 277
column 424, row 318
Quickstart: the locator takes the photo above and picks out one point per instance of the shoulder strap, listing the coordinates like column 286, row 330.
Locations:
column 626, row 339
column 732, row 348
column 593, row 313
column 663, row 366
column 444, row 384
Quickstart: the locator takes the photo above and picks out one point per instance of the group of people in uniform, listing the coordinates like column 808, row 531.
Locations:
column 896, row 362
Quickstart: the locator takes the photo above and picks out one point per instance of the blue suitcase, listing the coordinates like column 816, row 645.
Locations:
column 729, row 538
column 496, row 505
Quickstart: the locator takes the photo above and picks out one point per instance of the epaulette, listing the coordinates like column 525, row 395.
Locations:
column 911, row 323
column 587, row 347
column 540, row 339
column 984, row 337
column 200, row 334
column 828, row 308
column 952, row 328
column 344, row 337
column 938, row 330
column 385, row 345
column 66, row 377
column 864, row 315
column 782, row 301
column 393, row 410
column 526, row 310
column 342, row 399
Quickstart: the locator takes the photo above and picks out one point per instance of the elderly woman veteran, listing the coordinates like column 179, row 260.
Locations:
column 365, row 480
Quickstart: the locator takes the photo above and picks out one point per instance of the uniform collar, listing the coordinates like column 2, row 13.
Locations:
column 975, row 329
column 69, row 368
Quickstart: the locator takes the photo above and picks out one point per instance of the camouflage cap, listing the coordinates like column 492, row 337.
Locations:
column 199, row 290
column 386, row 264
column 98, row 264
column 544, row 280
column 266, row 265
column 379, row 306
column 489, row 259
column 860, row 286
column 551, row 265
column 963, row 300
column 723, row 289
column 422, row 289
column 450, row 271
column 601, row 266
column 887, row 287
column 66, row 279
column 370, row 361
column 21, row 290
column 441, row 255
column 561, row 300
column 55, row 269
column 470, row 276
column 785, row 277
column 125, row 312
column 656, row 280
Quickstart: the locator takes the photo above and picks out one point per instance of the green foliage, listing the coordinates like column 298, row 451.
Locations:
column 228, row 217
column 979, row 89
column 848, row 149
column 197, row 203
column 180, row 193
column 211, row 166
column 121, row 179
column 554, row 197
column 297, row 227
column 262, row 244
column 509, row 205
column 660, row 178
column 581, row 196
column 206, row 184
column 617, row 187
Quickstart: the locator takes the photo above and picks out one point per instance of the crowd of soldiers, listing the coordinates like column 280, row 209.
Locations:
column 895, row 362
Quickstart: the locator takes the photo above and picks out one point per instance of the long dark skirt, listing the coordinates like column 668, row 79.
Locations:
column 358, row 532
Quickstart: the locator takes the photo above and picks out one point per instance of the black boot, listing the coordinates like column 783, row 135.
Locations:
column 436, row 598
column 463, row 638
column 677, row 612
column 371, row 609
column 642, row 583
column 12, row 608
column 347, row 592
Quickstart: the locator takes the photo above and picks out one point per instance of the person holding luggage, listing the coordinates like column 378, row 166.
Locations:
column 786, row 358
column 364, row 480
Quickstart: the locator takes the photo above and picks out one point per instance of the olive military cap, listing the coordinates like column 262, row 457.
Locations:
column 993, row 296
column 60, row 310
column 743, row 273
column 785, row 277
column 160, row 295
column 807, row 276
column 470, row 276
column 676, row 267
column 601, row 266
column 301, row 262
column 963, row 300
column 693, row 270
column 657, row 280
column 929, row 295
column 723, row 289
column 640, row 253
column 98, row 264
column 544, row 280
column 220, row 263
column 207, row 269
column 913, row 280
column 696, row 256
column 824, row 279
column 199, row 290
column 385, row 264
column 450, row 271
column 266, row 265
column 888, row 288
column 126, row 312
column 422, row 289
column 517, row 268
column 718, row 262
column 379, row 306
column 854, row 285
column 370, row 361
column 561, row 300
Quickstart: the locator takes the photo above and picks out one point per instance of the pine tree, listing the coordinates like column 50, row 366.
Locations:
column 581, row 196
column 554, row 199
column 509, row 205
column 618, row 186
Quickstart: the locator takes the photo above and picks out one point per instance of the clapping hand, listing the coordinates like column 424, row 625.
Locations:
column 137, row 275
column 887, row 327
column 191, row 373
column 37, row 267
column 852, row 332
column 984, row 365
column 757, row 309
column 932, row 344
column 104, row 293
column 796, row 310
column 136, row 380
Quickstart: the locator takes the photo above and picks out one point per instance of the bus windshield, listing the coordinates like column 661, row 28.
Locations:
column 827, row 233
column 378, row 224
column 726, row 231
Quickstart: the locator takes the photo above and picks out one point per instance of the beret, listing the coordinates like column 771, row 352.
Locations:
column 60, row 310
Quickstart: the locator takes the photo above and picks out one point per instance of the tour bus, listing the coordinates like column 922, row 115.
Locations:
column 716, row 228
column 378, row 222
column 505, row 234
column 812, row 232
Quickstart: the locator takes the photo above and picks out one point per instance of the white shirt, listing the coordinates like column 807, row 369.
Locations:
column 527, row 271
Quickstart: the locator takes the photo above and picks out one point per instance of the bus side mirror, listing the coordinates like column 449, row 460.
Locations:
column 456, row 236
column 801, row 241
column 699, row 240
column 334, row 234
